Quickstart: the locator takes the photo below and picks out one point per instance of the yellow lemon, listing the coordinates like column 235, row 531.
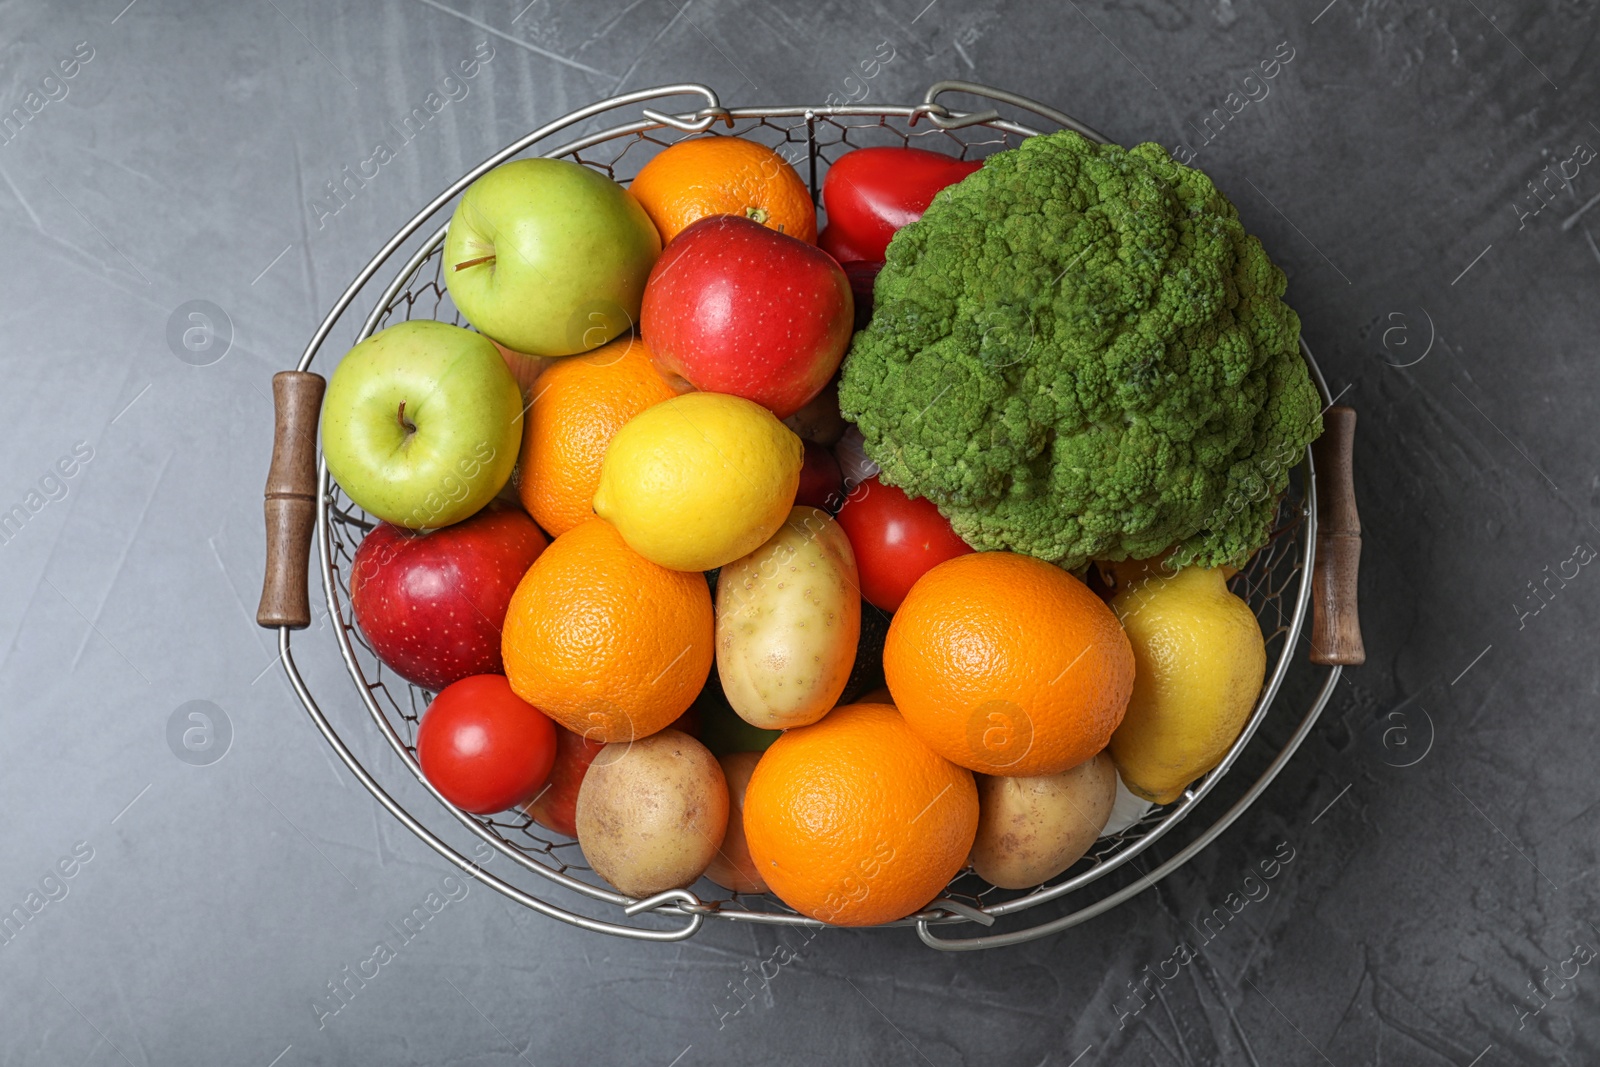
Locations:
column 1200, row 659
column 699, row 480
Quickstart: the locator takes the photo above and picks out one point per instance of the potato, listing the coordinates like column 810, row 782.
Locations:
column 652, row 812
column 732, row 868
column 788, row 620
column 1032, row 829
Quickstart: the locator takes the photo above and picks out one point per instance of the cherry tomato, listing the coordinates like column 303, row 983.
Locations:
column 896, row 540
column 485, row 748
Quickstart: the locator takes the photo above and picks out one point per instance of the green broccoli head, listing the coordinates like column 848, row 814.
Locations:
column 1078, row 353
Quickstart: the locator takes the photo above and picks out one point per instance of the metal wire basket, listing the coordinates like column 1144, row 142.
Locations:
column 302, row 500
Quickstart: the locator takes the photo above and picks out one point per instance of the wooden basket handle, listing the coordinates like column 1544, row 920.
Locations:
column 1336, row 618
column 291, row 499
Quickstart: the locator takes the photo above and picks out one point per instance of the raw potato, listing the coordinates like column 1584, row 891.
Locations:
column 788, row 621
column 1032, row 829
column 652, row 812
column 732, row 868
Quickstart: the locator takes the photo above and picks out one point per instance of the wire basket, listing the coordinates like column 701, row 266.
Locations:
column 302, row 500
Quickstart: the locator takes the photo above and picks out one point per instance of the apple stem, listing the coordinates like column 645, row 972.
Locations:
column 406, row 424
column 474, row 262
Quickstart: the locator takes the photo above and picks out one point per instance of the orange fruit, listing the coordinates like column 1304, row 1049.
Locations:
column 1008, row 665
column 724, row 176
column 579, row 403
column 854, row 821
column 608, row 644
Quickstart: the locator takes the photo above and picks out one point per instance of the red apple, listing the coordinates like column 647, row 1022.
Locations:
column 821, row 484
column 556, row 805
column 733, row 307
column 431, row 604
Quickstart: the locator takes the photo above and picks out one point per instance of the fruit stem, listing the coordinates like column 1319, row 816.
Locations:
column 474, row 262
column 406, row 424
column 756, row 214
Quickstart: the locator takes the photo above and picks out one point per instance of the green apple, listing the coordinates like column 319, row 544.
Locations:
column 549, row 257
column 421, row 424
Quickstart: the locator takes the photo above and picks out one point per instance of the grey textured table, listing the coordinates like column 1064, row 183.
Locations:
column 1441, row 819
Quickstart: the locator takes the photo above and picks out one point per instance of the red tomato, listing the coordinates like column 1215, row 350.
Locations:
column 896, row 540
column 485, row 748
column 556, row 805
column 872, row 192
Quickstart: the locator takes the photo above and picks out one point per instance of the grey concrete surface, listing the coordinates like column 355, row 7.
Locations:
column 1441, row 819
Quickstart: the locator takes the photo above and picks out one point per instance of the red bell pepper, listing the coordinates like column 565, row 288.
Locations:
column 872, row 192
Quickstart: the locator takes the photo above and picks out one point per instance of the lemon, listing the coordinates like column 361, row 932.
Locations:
column 699, row 480
column 1199, row 660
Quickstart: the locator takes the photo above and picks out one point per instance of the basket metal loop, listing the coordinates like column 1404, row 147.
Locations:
column 686, row 901
column 704, row 119
column 941, row 116
column 955, row 907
